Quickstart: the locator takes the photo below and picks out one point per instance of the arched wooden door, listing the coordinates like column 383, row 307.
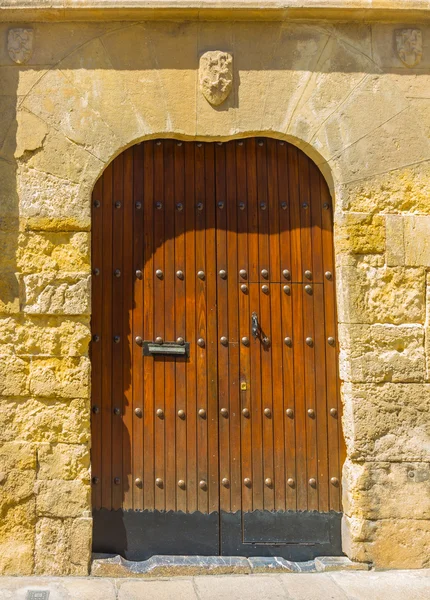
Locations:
column 215, row 393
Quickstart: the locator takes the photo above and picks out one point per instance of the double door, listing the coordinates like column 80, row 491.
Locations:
column 215, row 424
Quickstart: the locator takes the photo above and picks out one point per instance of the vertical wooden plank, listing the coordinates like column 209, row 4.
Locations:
column 169, row 325
column 97, row 240
column 233, row 327
column 255, row 344
column 191, row 337
column 244, row 326
column 212, row 342
column 180, row 330
column 265, row 321
column 159, row 325
column 201, row 329
column 333, row 416
column 144, row 320
column 127, row 316
column 276, row 379
column 295, row 235
column 287, row 328
column 222, row 297
column 106, row 341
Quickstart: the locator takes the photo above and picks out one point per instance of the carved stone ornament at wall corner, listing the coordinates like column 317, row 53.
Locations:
column 409, row 44
column 216, row 76
column 20, row 44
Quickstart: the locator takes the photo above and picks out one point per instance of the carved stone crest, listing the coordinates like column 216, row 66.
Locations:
column 216, row 76
column 20, row 44
column 409, row 43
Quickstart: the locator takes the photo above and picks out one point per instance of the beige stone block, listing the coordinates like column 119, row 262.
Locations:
column 17, row 530
column 49, row 293
column 387, row 543
column 17, row 456
column 385, row 50
column 379, row 490
column 50, row 203
column 52, row 547
column 374, row 294
column 38, row 252
column 80, row 546
column 395, row 240
column 8, row 195
column 19, row 81
column 63, row 461
column 29, row 135
column 45, row 420
column 399, row 142
column 387, row 422
column 14, row 373
column 360, row 233
column 9, row 293
column 417, row 241
column 67, row 377
column 55, row 336
column 7, row 121
column 401, row 190
column 378, row 353
column 57, row 498
column 16, row 487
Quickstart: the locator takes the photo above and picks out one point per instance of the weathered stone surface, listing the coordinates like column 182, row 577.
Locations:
column 14, row 373
column 377, row 353
column 47, row 293
column 338, row 563
column 63, row 461
column 55, row 336
column 387, row 543
column 81, row 533
column 9, row 293
column 417, row 241
column 271, row 564
column 387, row 422
column 395, row 240
column 58, row 498
column 45, row 420
column 360, row 233
column 39, row 252
column 17, row 456
column 60, row 377
column 380, row 294
column 380, row 490
column 17, row 532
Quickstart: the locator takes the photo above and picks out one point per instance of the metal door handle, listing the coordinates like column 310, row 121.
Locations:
column 255, row 325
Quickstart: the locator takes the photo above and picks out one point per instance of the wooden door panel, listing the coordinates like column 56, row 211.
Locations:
column 189, row 240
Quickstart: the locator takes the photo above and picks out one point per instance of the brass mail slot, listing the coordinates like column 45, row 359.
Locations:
column 166, row 348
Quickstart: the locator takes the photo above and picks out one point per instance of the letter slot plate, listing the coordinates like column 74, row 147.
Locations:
column 166, row 348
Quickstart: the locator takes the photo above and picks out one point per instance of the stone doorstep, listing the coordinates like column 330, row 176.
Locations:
column 107, row 565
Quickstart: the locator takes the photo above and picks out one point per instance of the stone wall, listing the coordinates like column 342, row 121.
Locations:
column 87, row 91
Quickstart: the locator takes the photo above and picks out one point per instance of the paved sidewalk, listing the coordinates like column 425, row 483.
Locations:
column 382, row 585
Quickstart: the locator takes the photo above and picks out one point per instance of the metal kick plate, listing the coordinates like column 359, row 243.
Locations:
column 166, row 348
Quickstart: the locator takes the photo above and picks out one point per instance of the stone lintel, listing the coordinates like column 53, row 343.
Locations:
column 276, row 10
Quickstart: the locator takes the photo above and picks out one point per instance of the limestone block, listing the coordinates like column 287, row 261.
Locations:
column 17, row 456
column 44, row 335
column 45, row 420
column 17, row 528
column 9, row 293
column 50, row 203
column 39, row 252
column 395, row 240
column 63, row 461
column 8, row 195
column 360, row 233
column 60, row 377
column 377, row 353
column 369, row 294
column 384, row 46
column 81, row 532
column 49, row 293
column 417, row 241
column 57, row 498
column 387, row 543
column 14, row 373
column 387, row 422
column 29, row 135
column 386, row 490
column 401, row 190
column 52, row 548
column 16, row 487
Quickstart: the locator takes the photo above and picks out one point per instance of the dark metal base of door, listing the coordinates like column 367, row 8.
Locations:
column 138, row 535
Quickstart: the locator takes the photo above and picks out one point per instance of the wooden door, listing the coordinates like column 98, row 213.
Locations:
column 215, row 392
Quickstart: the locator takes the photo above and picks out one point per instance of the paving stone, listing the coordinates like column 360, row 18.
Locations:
column 252, row 587
column 388, row 585
column 338, row 563
column 16, row 588
column 178, row 589
column 315, row 586
column 169, row 566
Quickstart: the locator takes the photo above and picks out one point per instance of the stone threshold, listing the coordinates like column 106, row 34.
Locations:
column 105, row 565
